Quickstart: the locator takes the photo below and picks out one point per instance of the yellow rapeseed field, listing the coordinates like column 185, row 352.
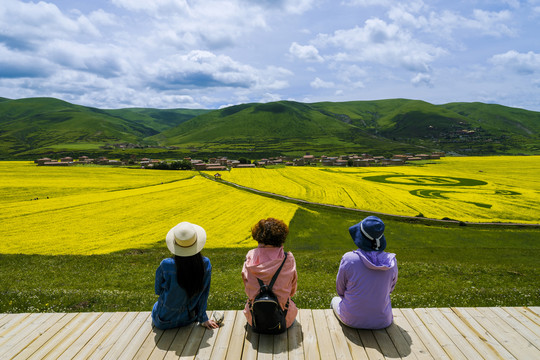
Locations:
column 473, row 189
column 96, row 210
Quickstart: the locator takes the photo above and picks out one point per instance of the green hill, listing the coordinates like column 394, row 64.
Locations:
column 45, row 126
column 36, row 126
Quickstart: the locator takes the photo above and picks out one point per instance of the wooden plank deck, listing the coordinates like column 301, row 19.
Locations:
column 427, row 333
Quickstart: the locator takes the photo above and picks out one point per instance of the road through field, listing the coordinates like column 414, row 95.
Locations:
column 301, row 201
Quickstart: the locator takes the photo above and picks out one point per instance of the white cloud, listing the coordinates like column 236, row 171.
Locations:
column 521, row 63
column 305, row 52
column 422, row 79
column 102, row 60
column 26, row 25
column 204, row 69
column 367, row 2
column 381, row 43
column 206, row 53
column 446, row 22
column 321, row 84
column 101, row 17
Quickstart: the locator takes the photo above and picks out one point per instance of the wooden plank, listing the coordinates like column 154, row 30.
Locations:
column 124, row 342
column 266, row 347
column 475, row 326
column 294, row 338
column 223, row 338
column 67, row 336
column 138, row 339
column 45, row 336
column 90, row 332
column 207, row 343
column 149, row 344
column 440, row 335
column 535, row 309
column 425, row 335
column 492, row 333
column 455, row 336
column 524, row 320
column 476, row 340
column 21, row 330
column 179, row 342
column 54, row 337
column 385, row 343
column 417, row 347
column 92, row 344
column 21, row 340
column 401, row 343
column 339, row 341
column 113, row 335
column 373, row 350
column 518, row 326
column 326, row 348
column 354, row 343
column 193, row 343
column 251, row 344
column 21, row 327
column 163, row 344
column 10, row 321
column 311, row 350
column 236, row 345
column 281, row 347
column 513, row 341
column 529, row 314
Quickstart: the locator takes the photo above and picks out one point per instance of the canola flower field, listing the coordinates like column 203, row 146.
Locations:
column 84, row 210
column 471, row 189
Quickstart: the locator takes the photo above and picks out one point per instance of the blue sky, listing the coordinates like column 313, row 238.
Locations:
column 214, row 53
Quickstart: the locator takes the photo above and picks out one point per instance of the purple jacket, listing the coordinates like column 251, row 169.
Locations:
column 364, row 282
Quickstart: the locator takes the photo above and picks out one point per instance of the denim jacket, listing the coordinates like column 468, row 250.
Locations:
column 173, row 308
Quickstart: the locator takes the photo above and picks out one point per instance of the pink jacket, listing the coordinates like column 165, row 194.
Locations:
column 262, row 263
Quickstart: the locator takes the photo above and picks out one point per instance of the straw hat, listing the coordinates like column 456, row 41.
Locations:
column 186, row 239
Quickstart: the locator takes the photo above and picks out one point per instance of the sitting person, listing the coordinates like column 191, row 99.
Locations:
column 183, row 281
column 365, row 279
column 263, row 262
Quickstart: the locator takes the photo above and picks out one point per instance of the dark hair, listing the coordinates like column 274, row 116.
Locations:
column 190, row 273
column 270, row 232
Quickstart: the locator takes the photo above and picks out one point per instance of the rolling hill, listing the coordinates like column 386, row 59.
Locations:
column 45, row 126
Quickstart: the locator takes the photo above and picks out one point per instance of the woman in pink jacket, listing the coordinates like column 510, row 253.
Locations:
column 263, row 261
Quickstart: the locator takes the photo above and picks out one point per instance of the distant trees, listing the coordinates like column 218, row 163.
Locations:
column 175, row 165
column 243, row 160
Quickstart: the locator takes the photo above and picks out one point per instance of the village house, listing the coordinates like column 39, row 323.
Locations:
column 223, row 163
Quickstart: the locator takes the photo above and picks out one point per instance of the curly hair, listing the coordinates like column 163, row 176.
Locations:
column 270, row 232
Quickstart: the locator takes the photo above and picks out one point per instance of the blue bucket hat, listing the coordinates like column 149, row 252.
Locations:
column 368, row 234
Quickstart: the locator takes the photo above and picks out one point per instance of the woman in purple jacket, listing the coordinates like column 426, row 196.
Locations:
column 365, row 279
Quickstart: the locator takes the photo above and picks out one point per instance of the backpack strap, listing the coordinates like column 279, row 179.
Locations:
column 274, row 278
column 275, row 275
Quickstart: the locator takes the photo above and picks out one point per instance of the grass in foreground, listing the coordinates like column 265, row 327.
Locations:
column 439, row 266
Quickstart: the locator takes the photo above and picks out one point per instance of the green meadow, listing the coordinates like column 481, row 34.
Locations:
column 440, row 265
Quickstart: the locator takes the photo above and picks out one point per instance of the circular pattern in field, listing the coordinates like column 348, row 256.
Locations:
column 425, row 180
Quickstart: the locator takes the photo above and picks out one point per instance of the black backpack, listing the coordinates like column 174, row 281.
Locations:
column 267, row 315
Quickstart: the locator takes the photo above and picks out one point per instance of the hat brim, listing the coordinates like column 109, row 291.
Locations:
column 190, row 250
column 362, row 242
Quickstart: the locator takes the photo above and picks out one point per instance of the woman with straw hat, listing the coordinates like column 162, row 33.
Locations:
column 183, row 281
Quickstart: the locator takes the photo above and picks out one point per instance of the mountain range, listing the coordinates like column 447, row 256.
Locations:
column 35, row 127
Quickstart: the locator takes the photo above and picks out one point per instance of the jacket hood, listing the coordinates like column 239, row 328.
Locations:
column 377, row 260
column 263, row 262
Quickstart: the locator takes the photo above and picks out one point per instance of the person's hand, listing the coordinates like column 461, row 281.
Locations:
column 210, row 324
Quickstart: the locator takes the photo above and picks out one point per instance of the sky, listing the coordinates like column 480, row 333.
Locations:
column 215, row 53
